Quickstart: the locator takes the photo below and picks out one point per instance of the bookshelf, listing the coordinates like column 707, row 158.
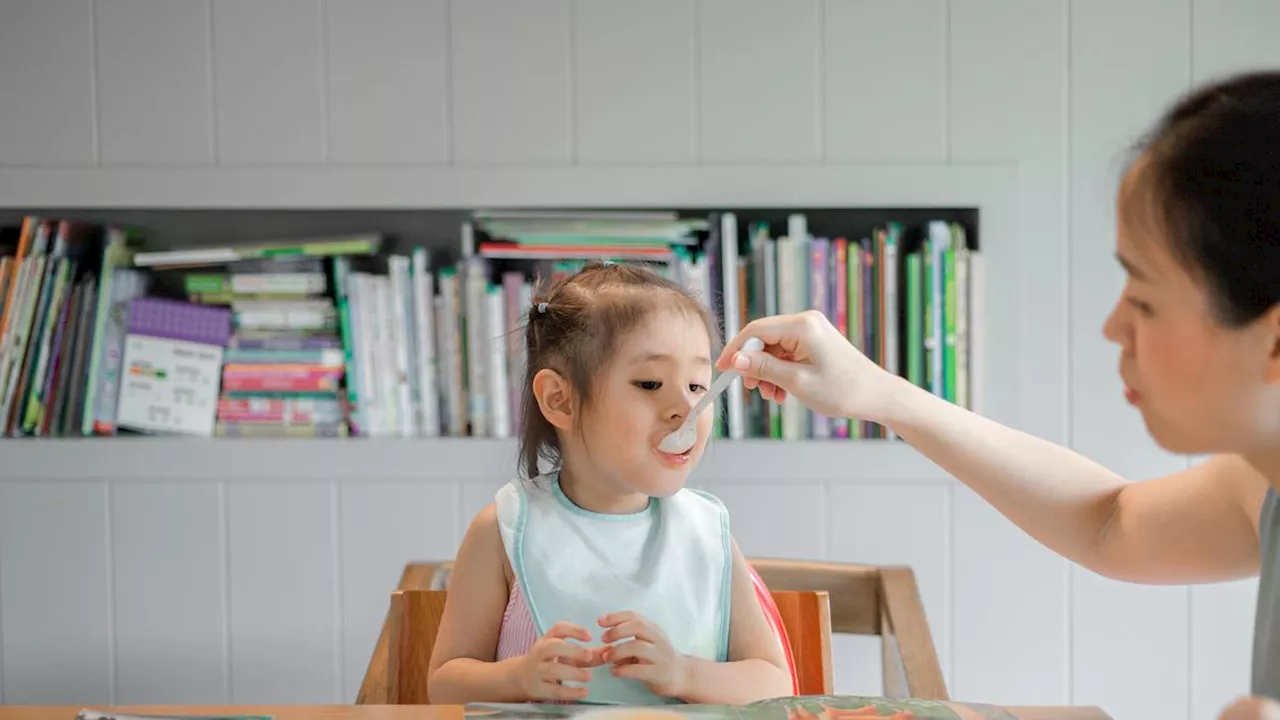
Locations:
column 194, row 207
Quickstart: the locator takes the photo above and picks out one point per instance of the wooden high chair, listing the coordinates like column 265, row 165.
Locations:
column 414, row 622
column 872, row 600
column 862, row 600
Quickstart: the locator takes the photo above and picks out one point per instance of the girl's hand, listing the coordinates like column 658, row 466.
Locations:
column 806, row 357
column 1252, row 708
column 647, row 656
column 553, row 660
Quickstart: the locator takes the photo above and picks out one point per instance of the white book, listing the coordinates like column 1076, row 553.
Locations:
column 364, row 309
column 388, row 377
column 450, row 348
column 496, row 356
column 175, row 390
column 522, row 356
column 729, row 262
column 789, row 301
column 278, row 283
column 514, row 284
column 975, row 322
column 402, row 341
column 479, row 402
column 428, row 398
column 890, row 276
column 795, row 416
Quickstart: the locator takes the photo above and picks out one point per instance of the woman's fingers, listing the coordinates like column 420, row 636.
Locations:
column 783, row 332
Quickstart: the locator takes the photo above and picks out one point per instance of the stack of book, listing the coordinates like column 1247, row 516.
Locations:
column 283, row 368
column 577, row 236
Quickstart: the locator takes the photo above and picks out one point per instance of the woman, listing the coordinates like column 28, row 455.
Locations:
column 1198, row 326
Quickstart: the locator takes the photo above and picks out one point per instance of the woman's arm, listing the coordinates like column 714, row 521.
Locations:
column 462, row 667
column 1196, row 525
column 756, row 667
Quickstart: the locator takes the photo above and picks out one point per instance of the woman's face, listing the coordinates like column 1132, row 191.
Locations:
column 1201, row 387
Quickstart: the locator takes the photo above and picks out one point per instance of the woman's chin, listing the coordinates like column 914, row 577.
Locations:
column 1178, row 440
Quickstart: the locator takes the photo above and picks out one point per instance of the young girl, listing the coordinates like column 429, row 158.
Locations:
column 609, row 549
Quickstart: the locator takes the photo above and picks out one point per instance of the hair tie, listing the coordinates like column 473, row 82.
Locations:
column 542, row 308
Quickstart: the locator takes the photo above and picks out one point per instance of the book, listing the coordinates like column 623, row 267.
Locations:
column 300, row 248
column 809, row 707
column 172, row 356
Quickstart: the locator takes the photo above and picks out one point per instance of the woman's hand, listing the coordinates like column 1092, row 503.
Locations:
column 1252, row 708
column 648, row 656
column 806, row 357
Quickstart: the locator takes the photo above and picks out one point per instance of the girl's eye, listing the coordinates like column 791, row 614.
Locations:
column 698, row 388
column 648, row 384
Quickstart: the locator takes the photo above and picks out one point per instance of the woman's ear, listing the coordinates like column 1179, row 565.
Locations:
column 1270, row 326
column 555, row 398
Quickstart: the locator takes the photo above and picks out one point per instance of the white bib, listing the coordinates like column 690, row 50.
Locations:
column 670, row 563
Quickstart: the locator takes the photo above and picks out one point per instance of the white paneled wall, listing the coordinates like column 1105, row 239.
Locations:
column 272, row 588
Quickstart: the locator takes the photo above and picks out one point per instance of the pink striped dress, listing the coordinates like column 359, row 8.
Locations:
column 518, row 632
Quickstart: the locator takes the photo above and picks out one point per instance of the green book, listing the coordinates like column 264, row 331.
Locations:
column 926, row 291
column 915, row 321
column 949, row 324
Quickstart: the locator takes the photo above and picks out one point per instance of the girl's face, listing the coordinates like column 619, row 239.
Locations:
column 655, row 378
column 1201, row 387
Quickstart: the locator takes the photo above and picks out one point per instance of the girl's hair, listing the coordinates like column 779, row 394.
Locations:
column 575, row 327
column 1210, row 171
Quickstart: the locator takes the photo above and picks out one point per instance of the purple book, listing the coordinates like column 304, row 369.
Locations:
column 180, row 320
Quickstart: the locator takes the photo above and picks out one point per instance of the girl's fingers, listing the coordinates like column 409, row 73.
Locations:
column 633, row 651
column 557, row 672
column 637, row 628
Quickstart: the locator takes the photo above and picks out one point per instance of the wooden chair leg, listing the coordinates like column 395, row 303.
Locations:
column 908, row 643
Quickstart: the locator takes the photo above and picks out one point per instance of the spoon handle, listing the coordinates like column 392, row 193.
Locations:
column 752, row 344
column 717, row 387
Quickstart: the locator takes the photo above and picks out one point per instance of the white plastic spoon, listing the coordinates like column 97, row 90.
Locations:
column 683, row 438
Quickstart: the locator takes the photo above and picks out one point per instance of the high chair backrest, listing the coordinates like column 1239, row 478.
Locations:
column 802, row 618
column 872, row 600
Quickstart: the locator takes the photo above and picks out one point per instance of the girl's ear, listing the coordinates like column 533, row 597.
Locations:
column 555, row 398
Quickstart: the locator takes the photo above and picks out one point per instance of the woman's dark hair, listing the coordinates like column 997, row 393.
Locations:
column 1210, row 170
column 575, row 326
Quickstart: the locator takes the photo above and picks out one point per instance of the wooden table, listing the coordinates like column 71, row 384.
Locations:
column 396, row 712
